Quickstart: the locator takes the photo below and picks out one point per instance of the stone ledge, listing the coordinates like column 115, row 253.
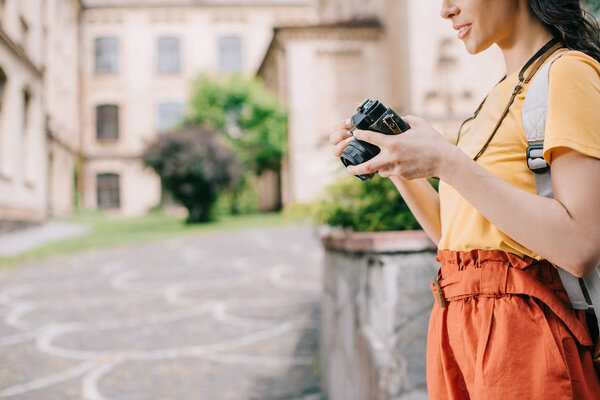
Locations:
column 376, row 242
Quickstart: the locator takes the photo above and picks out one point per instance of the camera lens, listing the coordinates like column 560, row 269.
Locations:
column 357, row 153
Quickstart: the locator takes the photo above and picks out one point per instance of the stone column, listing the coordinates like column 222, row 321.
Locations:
column 375, row 312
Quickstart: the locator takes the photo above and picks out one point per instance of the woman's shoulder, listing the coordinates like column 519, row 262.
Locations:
column 575, row 65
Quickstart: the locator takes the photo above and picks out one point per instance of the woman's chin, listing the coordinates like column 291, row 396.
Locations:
column 474, row 48
column 470, row 47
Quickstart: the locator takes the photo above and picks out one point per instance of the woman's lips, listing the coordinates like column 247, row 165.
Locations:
column 463, row 31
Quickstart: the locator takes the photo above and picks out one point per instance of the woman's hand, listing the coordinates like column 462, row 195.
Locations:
column 420, row 152
column 341, row 137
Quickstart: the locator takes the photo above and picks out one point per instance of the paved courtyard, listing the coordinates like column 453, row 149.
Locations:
column 222, row 317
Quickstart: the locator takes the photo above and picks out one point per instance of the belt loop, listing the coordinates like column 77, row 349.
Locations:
column 504, row 282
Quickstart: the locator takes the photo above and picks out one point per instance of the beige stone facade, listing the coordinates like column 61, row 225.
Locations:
column 203, row 37
column 401, row 52
column 61, row 103
column 38, row 111
column 22, row 136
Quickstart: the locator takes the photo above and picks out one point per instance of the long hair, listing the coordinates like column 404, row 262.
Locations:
column 568, row 21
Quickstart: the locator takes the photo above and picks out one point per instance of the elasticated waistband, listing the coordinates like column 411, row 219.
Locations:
column 496, row 273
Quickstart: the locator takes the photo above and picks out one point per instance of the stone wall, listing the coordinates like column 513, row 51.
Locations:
column 375, row 312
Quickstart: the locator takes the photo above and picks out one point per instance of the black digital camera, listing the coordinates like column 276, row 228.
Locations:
column 374, row 116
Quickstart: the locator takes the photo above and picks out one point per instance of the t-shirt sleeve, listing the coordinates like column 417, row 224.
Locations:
column 574, row 106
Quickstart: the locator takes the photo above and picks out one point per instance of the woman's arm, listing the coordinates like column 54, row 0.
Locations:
column 421, row 198
column 564, row 230
column 424, row 202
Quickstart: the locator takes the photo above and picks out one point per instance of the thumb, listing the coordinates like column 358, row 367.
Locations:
column 413, row 121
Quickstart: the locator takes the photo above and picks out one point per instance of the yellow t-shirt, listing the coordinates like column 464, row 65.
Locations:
column 573, row 121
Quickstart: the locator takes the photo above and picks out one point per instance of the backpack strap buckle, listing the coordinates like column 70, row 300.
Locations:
column 535, row 158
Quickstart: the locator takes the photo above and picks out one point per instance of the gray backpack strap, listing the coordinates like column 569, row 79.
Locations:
column 535, row 112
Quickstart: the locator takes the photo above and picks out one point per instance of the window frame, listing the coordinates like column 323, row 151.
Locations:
column 108, row 190
column 99, row 68
column 165, row 64
column 158, row 115
column 101, row 137
column 225, row 69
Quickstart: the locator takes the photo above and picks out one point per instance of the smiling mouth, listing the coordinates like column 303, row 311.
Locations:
column 463, row 31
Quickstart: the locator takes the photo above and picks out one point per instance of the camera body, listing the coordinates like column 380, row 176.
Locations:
column 374, row 116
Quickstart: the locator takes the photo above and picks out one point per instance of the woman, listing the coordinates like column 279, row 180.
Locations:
column 507, row 330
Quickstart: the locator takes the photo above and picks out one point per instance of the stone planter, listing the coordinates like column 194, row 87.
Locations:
column 375, row 312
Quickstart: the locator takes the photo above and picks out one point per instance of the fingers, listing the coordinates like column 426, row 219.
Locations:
column 345, row 124
column 369, row 167
column 376, row 138
column 339, row 148
column 338, row 136
column 412, row 120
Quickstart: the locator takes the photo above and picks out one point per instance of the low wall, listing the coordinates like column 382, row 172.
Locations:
column 375, row 312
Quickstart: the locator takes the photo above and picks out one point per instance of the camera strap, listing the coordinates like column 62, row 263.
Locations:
column 538, row 58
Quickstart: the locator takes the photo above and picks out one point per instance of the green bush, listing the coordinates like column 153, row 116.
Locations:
column 194, row 167
column 242, row 201
column 369, row 206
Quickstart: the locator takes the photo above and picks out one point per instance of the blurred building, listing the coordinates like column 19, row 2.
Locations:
column 38, row 109
column 138, row 61
column 399, row 51
column 85, row 85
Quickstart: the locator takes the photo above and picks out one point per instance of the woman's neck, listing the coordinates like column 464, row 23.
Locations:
column 527, row 37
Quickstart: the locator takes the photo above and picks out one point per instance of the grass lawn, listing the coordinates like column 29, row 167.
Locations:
column 106, row 231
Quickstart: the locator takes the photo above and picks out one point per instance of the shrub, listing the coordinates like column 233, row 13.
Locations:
column 369, row 206
column 195, row 167
column 243, row 200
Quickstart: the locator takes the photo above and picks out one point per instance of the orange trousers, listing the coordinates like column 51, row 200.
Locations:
column 506, row 331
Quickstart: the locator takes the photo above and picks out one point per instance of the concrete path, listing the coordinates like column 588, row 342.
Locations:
column 15, row 243
column 223, row 317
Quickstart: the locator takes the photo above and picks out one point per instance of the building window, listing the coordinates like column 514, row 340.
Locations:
column 168, row 60
column 26, row 160
column 230, row 54
column 107, row 55
column 108, row 191
column 169, row 115
column 107, row 122
column 3, row 80
column 26, row 107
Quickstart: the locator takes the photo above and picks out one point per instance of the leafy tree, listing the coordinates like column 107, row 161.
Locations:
column 195, row 167
column 251, row 118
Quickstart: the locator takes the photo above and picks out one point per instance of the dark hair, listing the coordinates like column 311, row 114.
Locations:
column 568, row 21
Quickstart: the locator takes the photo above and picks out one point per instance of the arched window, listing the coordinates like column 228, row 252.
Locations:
column 109, row 196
